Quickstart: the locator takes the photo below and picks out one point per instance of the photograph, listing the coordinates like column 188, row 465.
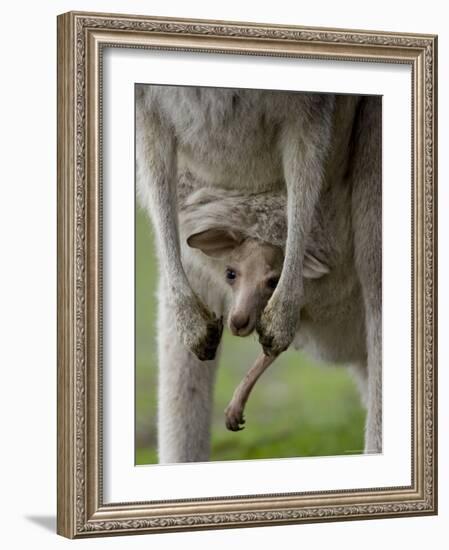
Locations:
column 258, row 248
column 222, row 315
column 246, row 274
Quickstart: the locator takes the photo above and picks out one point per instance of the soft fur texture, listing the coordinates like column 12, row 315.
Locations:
column 316, row 159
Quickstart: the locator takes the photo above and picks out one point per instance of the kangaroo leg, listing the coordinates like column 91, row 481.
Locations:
column 185, row 389
column 367, row 220
column 199, row 329
column 234, row 411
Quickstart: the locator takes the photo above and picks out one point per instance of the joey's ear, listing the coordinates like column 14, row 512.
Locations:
column 314, row 268
column 216, row 243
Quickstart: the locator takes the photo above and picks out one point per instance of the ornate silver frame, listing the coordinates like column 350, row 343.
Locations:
column 81, row 37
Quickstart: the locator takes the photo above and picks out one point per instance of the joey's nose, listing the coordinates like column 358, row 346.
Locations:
column 239, row 323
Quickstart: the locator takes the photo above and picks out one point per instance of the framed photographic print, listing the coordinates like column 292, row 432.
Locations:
column 238, row 200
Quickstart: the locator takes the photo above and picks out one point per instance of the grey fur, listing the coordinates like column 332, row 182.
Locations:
column 323, row 152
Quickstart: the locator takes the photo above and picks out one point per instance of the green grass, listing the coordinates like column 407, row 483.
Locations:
column 298, row 407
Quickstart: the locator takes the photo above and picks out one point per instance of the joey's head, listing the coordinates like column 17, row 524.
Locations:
column 252, row 271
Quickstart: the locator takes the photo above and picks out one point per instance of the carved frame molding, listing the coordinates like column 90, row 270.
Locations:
column 81, row 38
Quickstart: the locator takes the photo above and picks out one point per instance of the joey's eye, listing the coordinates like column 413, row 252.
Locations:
column 272, row 282
column 230, row 275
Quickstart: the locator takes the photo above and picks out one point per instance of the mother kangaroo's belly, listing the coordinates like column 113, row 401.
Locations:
column 238, row 165
column 334, row 342
column 333, row 329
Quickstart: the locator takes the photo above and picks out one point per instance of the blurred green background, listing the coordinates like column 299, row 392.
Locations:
column 298, row 407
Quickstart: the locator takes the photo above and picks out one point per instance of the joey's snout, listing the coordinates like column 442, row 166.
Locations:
column 247, row 307
column 241, row 324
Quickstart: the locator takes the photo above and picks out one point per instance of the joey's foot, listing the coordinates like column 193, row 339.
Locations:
column 277, row 326
column 200, row 329
column 234, row 417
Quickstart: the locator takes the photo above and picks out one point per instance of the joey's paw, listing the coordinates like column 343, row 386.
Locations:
column 234, row 418
column 277, row 327
column 200, row 329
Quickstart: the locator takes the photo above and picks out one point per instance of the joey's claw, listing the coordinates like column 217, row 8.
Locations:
column 234, row 419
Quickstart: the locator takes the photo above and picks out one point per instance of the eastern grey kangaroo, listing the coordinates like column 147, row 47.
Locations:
column 253, row 141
